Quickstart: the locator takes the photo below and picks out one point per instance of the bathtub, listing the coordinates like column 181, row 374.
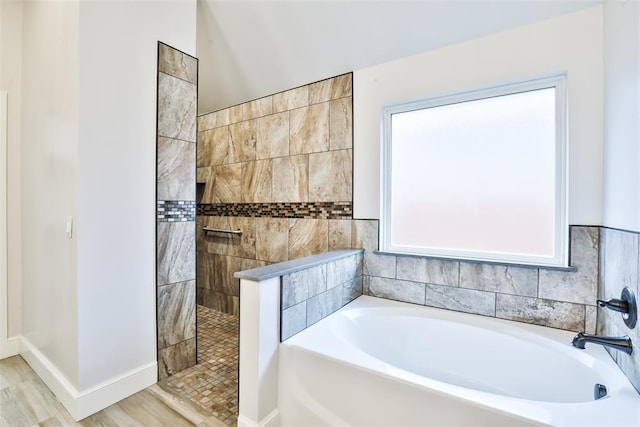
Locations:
column 377, row 362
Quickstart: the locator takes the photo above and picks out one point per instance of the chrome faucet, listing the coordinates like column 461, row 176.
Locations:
column 619, row 343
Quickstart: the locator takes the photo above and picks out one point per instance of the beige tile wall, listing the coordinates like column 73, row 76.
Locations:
column 294, row 146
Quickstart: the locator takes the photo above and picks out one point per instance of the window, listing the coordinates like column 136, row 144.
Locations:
column 479, row 175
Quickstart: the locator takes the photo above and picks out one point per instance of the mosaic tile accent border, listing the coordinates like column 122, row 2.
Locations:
column 176, row 210
column 312, row 210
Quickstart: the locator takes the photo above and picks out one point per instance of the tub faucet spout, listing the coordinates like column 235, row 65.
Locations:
column 619, row 343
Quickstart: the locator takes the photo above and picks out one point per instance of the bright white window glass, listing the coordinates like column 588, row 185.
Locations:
column 479, row 177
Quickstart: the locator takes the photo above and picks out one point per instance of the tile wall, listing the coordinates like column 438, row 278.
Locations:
column 280, row 169
column 312, row 294
column 605, row 261
column 619, row 267
column 176, row 208
column 559, row 299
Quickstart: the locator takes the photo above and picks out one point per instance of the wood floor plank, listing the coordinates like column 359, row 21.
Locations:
column 149, row 410
column 213, row 422
column 15, row 370
column 184, row 407
column 61, row 415
column 120, row 417
column 16, row 409
column 26, row 401
column 52, row 422
column 39, row 398
column 100, row 419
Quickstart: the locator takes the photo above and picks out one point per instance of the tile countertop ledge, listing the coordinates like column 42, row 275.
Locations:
column 287, row 267
column 570, row 268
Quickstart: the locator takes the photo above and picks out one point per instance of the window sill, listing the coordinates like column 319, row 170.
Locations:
column 507, row 264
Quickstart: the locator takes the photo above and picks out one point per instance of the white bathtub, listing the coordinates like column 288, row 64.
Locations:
column 383, row 363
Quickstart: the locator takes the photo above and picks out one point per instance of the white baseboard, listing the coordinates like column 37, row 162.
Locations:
column 271, row 420
column 81, row 404
column 52, row 377
column 10, row 347
column 115, row 389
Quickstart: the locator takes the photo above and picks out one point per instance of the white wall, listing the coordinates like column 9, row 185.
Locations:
column 571, row 43
column 49, row 159
column 5, row 345
column 622, row 115
column 254, row 48
column 89, row 73
column 11, row 82
column 116, row 179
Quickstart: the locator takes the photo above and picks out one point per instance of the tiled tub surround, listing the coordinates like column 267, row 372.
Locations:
column 176, row 156
column 280, row 169
column 555, row 298
column 277, row 301
column 620, row 267
column 605, row 260
column 310, row 295
column 274, row 307
column 313, row 287
column 404, row 355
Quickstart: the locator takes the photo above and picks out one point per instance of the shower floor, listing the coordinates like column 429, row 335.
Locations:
column 212, row 384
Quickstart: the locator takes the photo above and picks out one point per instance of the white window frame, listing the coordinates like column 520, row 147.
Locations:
column 561, row 228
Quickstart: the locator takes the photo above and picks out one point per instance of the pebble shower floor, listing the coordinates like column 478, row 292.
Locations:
column 212, row 384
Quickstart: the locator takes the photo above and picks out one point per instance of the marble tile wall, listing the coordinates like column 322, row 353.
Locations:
column 619, row 267
column 280, row 169
column 555, row 298
column 295, row 146
column 310, row 295
column 175, row 219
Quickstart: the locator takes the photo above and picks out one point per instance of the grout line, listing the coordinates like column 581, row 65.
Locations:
column 179, row 78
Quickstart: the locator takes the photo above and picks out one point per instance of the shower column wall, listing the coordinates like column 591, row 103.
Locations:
column 176, row 209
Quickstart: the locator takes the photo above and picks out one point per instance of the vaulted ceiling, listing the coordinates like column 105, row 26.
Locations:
column 249, row 49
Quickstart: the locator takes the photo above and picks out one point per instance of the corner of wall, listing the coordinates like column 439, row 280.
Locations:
column 621, row 207
column 116, row 182
column 10, row 83
column 81, row 404
column 48, row 161
column 619, row 267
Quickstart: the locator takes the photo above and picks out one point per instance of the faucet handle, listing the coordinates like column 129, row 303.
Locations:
column 615, row 305
column 625, row 305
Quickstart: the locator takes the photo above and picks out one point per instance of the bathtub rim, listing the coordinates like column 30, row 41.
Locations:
column 527, row 410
